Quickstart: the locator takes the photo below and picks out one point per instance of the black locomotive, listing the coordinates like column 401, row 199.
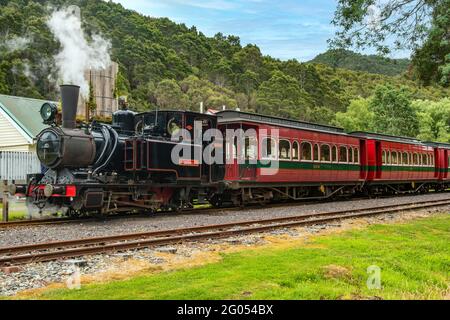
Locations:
column 125, row 166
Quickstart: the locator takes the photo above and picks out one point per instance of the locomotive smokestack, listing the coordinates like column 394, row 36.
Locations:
column 69, row 97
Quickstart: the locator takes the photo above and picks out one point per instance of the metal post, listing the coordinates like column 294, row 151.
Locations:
column 5, row 210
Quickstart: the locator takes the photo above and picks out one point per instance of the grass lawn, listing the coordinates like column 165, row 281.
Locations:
column 414, row 258
column 14, row 214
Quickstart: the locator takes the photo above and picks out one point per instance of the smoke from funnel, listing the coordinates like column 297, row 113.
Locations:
column 77, row 54
column 69, row 99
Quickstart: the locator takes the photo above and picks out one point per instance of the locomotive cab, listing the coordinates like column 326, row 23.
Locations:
column 162, row 130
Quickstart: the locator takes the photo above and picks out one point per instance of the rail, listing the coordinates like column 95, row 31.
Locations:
column 74, row 248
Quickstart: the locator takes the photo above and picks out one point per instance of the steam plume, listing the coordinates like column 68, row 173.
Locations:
column 77, row 53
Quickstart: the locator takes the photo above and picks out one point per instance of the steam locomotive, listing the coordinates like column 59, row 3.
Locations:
column 129, row 165
column 125, row 166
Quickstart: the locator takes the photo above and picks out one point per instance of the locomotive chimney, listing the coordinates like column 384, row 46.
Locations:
column 69, row 97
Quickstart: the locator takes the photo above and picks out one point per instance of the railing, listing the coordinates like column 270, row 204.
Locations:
column 16, row 165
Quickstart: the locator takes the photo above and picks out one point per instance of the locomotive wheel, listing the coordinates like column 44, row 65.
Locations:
column 216, row 201
column 72, row 213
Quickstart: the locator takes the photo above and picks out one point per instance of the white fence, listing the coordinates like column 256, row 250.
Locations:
column 16, row 165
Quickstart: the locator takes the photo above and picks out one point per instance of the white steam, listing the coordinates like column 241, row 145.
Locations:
column 77, row 54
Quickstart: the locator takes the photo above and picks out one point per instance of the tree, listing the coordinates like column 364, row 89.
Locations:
column 248, row 58
column 169, row 95
column 432, row 60
column 434, row 119
column 281, row 95
column 221, row 72
column 91, row 103
column 341, row 58
column 409, row 23
column 149, row 50
column 393, row 113
column 248, row 81
column 358, row 116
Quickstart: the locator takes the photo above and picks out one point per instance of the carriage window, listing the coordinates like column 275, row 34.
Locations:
column 394, row 157
column 325, row 152
column 356, row 155
column 415, row 159
column 388, row 157
column 405, row 159
column 343, row 154
column 306, row 151
column 334, row 153
column 269, row 148
column 383, row 157
column 350, row 154
column 251, row 150
column 284, row 150
column 424, row 160
column 316, row 152
column 432, row 160
column 295, row 151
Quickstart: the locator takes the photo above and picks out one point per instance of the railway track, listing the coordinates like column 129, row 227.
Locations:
column 75, row 248
column 41, row 221
column 66, row 220
column 51, row 221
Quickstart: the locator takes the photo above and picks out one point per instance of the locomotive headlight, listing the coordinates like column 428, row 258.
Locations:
column 48, row 148
column 48, row 112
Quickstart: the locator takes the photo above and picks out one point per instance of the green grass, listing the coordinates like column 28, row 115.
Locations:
column 414, row 258
column 14, row 214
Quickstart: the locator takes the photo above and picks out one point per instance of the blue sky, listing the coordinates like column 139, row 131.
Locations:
column 284, row 29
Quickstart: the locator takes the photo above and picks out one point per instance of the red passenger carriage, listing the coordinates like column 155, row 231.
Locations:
column 397, row 163
column 308, row 160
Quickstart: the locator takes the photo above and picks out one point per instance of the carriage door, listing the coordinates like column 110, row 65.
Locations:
column 363, row 160
column 247, row 170
column 378, row 159
column 437, row 163
column 446, row 160
column 231, row 164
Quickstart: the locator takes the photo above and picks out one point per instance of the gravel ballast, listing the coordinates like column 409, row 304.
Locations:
column 37, row 275
column 59, row 232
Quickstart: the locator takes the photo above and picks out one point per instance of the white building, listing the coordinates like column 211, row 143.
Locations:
column 20, row 122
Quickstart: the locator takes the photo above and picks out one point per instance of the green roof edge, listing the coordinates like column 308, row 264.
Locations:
column 5, row 109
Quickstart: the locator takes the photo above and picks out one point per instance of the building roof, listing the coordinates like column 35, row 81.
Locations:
column 24, row 113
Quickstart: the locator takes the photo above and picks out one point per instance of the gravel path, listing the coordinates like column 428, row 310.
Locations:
column 44, row 233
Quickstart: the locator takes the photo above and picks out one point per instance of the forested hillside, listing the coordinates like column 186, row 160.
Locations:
column 173, row 66
column 347, row 59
